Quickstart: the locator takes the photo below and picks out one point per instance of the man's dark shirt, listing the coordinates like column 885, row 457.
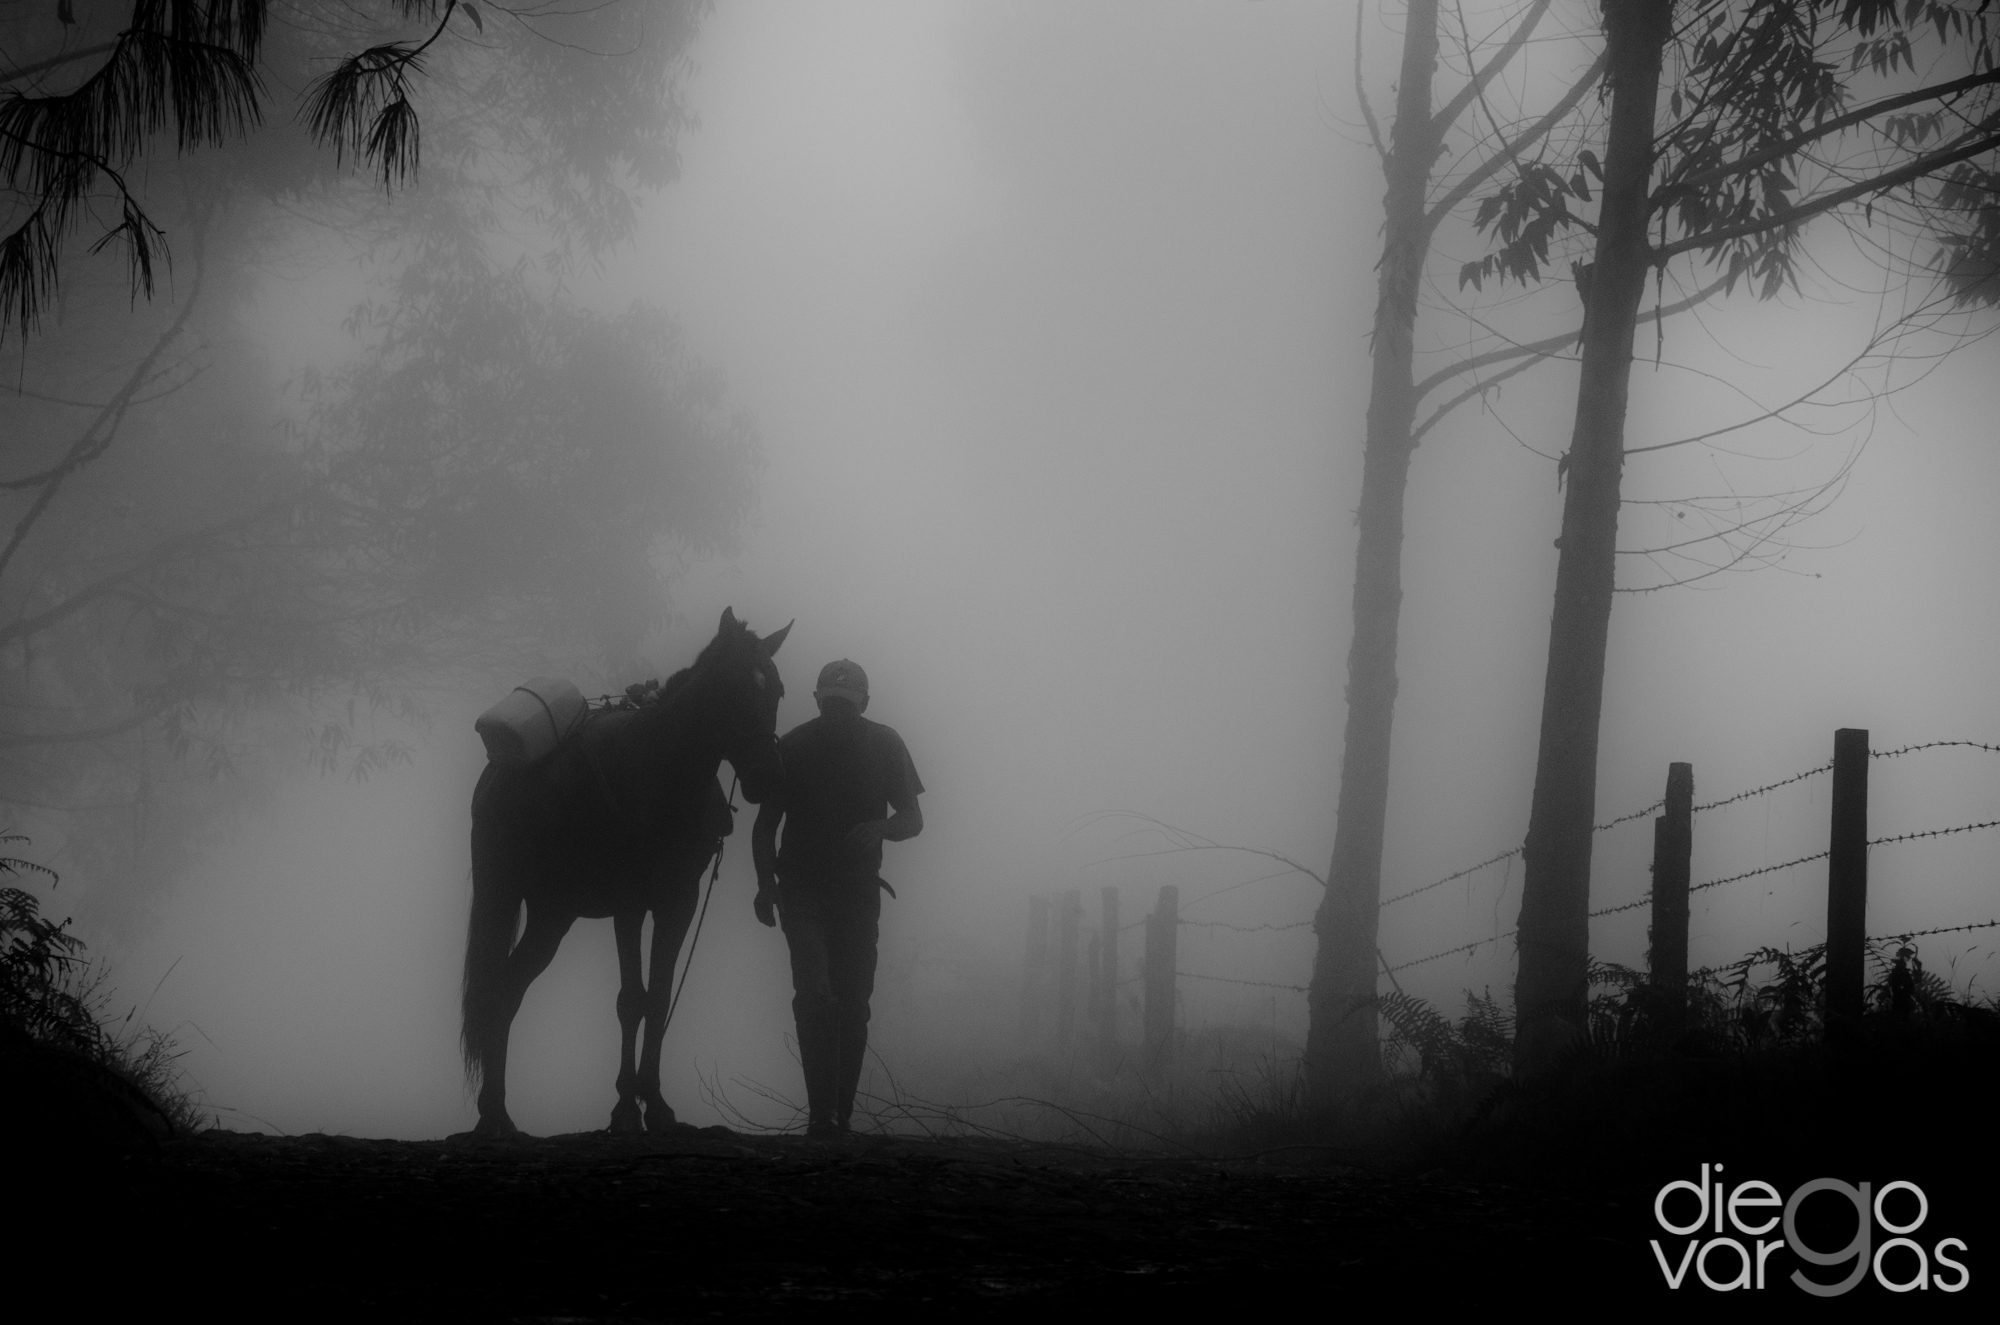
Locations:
column 837, row 776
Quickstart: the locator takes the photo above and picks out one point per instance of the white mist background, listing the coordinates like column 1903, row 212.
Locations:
column 1054, row 323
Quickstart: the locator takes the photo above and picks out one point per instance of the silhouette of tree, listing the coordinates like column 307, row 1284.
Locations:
column 1777, row 112
column 1342, row 1044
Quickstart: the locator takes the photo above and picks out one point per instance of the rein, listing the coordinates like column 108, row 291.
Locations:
column 612, row 802
column 688, row 965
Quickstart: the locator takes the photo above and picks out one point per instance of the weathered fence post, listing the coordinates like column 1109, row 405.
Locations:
column 1035, row 973
column 1162, row 942
column 1107, row 961
column 1068, row 911
column 1847, row 876
column 1094, row 963
column 1673, row 847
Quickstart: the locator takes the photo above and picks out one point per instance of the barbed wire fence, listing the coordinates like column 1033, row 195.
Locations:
column 1181, row 840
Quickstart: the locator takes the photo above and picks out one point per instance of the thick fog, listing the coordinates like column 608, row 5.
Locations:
column 1053, row 322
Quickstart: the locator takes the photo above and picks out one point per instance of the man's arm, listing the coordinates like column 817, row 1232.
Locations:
column 906, row 822
column 764, row 855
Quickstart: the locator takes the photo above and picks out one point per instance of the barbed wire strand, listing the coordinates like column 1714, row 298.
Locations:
column 1598, row 828
column 1931, row 745
column 1733, row 878
column 1768, row 787
column 1942, row 929
column 1891, row 840
column 1827, row 767
column 1230, row 980
column 1873, row 938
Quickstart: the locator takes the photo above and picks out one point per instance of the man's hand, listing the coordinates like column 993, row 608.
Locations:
column 866, row 836
column 764, row 904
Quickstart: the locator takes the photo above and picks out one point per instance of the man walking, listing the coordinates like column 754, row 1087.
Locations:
column 843, row 777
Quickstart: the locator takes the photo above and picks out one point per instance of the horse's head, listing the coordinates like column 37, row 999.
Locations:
column 747, row 691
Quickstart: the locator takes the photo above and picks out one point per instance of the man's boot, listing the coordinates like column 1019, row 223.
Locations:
column 853, row 1051
column 819, row 1057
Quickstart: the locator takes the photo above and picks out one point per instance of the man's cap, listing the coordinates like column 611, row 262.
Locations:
column 842, row 679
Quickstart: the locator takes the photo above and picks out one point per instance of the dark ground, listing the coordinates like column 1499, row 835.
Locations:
column 709, row 1224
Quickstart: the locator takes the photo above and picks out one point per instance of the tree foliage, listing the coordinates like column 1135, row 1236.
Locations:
column 1779, row 111
column 204, row 562
column 82, row 103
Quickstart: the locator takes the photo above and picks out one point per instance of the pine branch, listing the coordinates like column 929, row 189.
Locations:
column 363, row 107
column 178, row 62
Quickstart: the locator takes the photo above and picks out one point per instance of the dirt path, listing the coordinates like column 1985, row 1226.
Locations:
column 710, row 1224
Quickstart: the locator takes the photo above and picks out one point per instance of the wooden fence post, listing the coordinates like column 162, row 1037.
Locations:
column 1162, row 942
column 1107, row 961
column 1673, row 847
column 1068, row 911
column 1093, row 962
column 1847, row 876
column 1035, row 973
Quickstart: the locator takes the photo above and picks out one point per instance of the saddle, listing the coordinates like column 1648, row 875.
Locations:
column 528, row 725
column 537, row 718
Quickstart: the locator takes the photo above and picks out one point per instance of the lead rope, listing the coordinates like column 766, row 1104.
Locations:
column 688, row 965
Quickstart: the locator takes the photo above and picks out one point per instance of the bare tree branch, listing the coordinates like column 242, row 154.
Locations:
column 1361, row 89
column 1476, row 389
column 1533, row 134
column 1454, row 108
column 17, row 740
column 1551, row 344
column 26, row 627
column 103, row 430
column 1772, row 413
column 22, row 73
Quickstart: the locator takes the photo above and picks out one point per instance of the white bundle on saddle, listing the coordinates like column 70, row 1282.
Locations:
column 530, row 722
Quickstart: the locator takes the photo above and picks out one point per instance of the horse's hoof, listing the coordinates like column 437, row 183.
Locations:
column 497, row 1128
column 660, row 1119
column 625, row 1119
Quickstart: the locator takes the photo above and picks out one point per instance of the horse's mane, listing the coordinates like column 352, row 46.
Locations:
column 648, row 693
column 674, row 684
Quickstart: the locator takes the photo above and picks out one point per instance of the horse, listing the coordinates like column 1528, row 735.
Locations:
column 619, row 820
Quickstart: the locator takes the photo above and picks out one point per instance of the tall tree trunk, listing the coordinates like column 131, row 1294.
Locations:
column 1552, row 987
column 1341, row 1039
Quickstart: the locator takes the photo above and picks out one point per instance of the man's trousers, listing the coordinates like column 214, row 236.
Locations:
column 831, row 929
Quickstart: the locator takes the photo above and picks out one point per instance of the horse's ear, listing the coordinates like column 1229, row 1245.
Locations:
column 777, row 637
column 728, row 618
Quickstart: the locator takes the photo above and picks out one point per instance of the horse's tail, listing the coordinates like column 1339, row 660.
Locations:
column 489, row 937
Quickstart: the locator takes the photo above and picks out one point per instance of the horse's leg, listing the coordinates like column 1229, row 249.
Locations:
column 631, row 1012
column 670, row 925
column 530, row 957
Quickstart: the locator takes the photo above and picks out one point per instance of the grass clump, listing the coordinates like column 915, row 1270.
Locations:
column 1750, row 1068
column 73, row 1066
